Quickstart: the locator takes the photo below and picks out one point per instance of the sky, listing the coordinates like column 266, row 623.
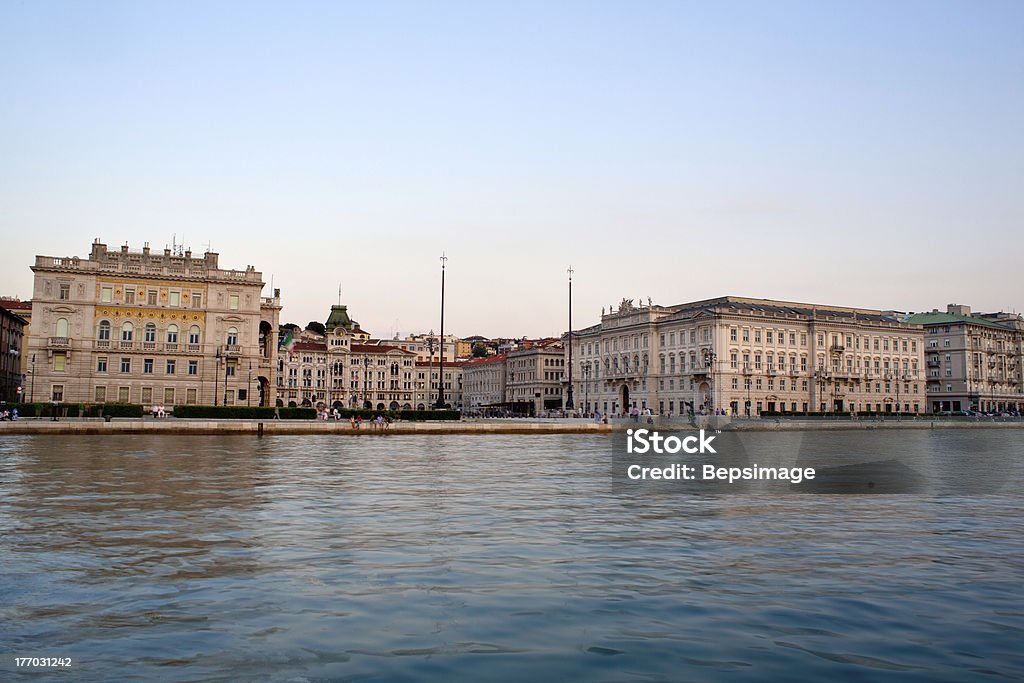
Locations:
column 863, row 154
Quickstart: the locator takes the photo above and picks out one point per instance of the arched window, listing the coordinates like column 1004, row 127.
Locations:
column 127, row 332
column 149, row 333
column 232, row 336
column 193, row 334
column 61, row 327
column 172, row 334
column 104, row 331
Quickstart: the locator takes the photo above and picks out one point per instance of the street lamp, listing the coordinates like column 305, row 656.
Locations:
column 709, row 362
column 366, row 383
column 32, row 395
column 227, row 366
column 748, row 396
column 248, row 387
column 216, row 377
column 586, row 385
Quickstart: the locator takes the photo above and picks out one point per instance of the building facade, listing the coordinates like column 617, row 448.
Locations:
column 427, row 347
column 152, row 328
column 534, row 377
column 974, row 360
column 483, row 383
column 427, row 378
column 747, row 356
column 22, row 309
column 12, row 377
column 344, row 369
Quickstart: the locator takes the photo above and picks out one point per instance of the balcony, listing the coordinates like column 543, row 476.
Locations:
column 934, row 363
column 171, row 347
column 193, row 348
column 125, row 345
column 149, row 346
column 837, row 348
column 59, row 343
column 232, row 350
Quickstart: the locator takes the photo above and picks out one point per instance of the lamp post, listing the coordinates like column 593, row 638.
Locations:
column 899, row 405
column 440, row 382
column 227, row 366
column 709, row 362
column 586, row 386
column 248, row 387
column 216, row 378
column 32, row 390
column 569, row 405
column 748, row 396
column 366, row 383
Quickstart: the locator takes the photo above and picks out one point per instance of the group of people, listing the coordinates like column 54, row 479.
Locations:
column 158, row 411
column 378, row 423
column 9, row 414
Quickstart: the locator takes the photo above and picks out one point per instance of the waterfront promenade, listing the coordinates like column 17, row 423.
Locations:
column 149, row 425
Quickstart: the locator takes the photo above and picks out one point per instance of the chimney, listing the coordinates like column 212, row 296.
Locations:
column 958, row 309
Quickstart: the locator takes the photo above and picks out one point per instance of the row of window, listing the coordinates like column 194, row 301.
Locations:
column 149, row 332
column 150, row 295
column 170, row 395
column 170, row 367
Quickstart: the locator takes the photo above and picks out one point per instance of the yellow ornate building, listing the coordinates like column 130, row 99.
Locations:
column 152, row 328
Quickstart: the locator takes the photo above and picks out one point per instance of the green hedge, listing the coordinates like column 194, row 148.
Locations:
column 262, row 413
column 77, row 409
column 860, row 413
column 243, row 412
column 411, row 415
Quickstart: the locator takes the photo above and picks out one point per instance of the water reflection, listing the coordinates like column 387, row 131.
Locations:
column 500, row 558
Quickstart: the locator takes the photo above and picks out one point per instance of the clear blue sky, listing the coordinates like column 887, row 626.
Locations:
column 856, row 153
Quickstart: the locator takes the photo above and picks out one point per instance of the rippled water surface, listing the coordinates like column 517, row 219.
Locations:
column 488, row 558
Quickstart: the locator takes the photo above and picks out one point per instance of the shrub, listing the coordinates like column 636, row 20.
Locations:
column 243, row 412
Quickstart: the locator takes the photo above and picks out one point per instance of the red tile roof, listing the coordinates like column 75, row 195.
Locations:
column 499, row 358
column 374, row 348
column 309, row 346
column 16, row 305
column 447, row 363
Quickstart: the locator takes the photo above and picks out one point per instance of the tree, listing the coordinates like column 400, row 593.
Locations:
column 479, row 350
column 318, row 327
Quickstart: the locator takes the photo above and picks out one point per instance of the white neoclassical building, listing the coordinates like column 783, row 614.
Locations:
column 748, row 356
